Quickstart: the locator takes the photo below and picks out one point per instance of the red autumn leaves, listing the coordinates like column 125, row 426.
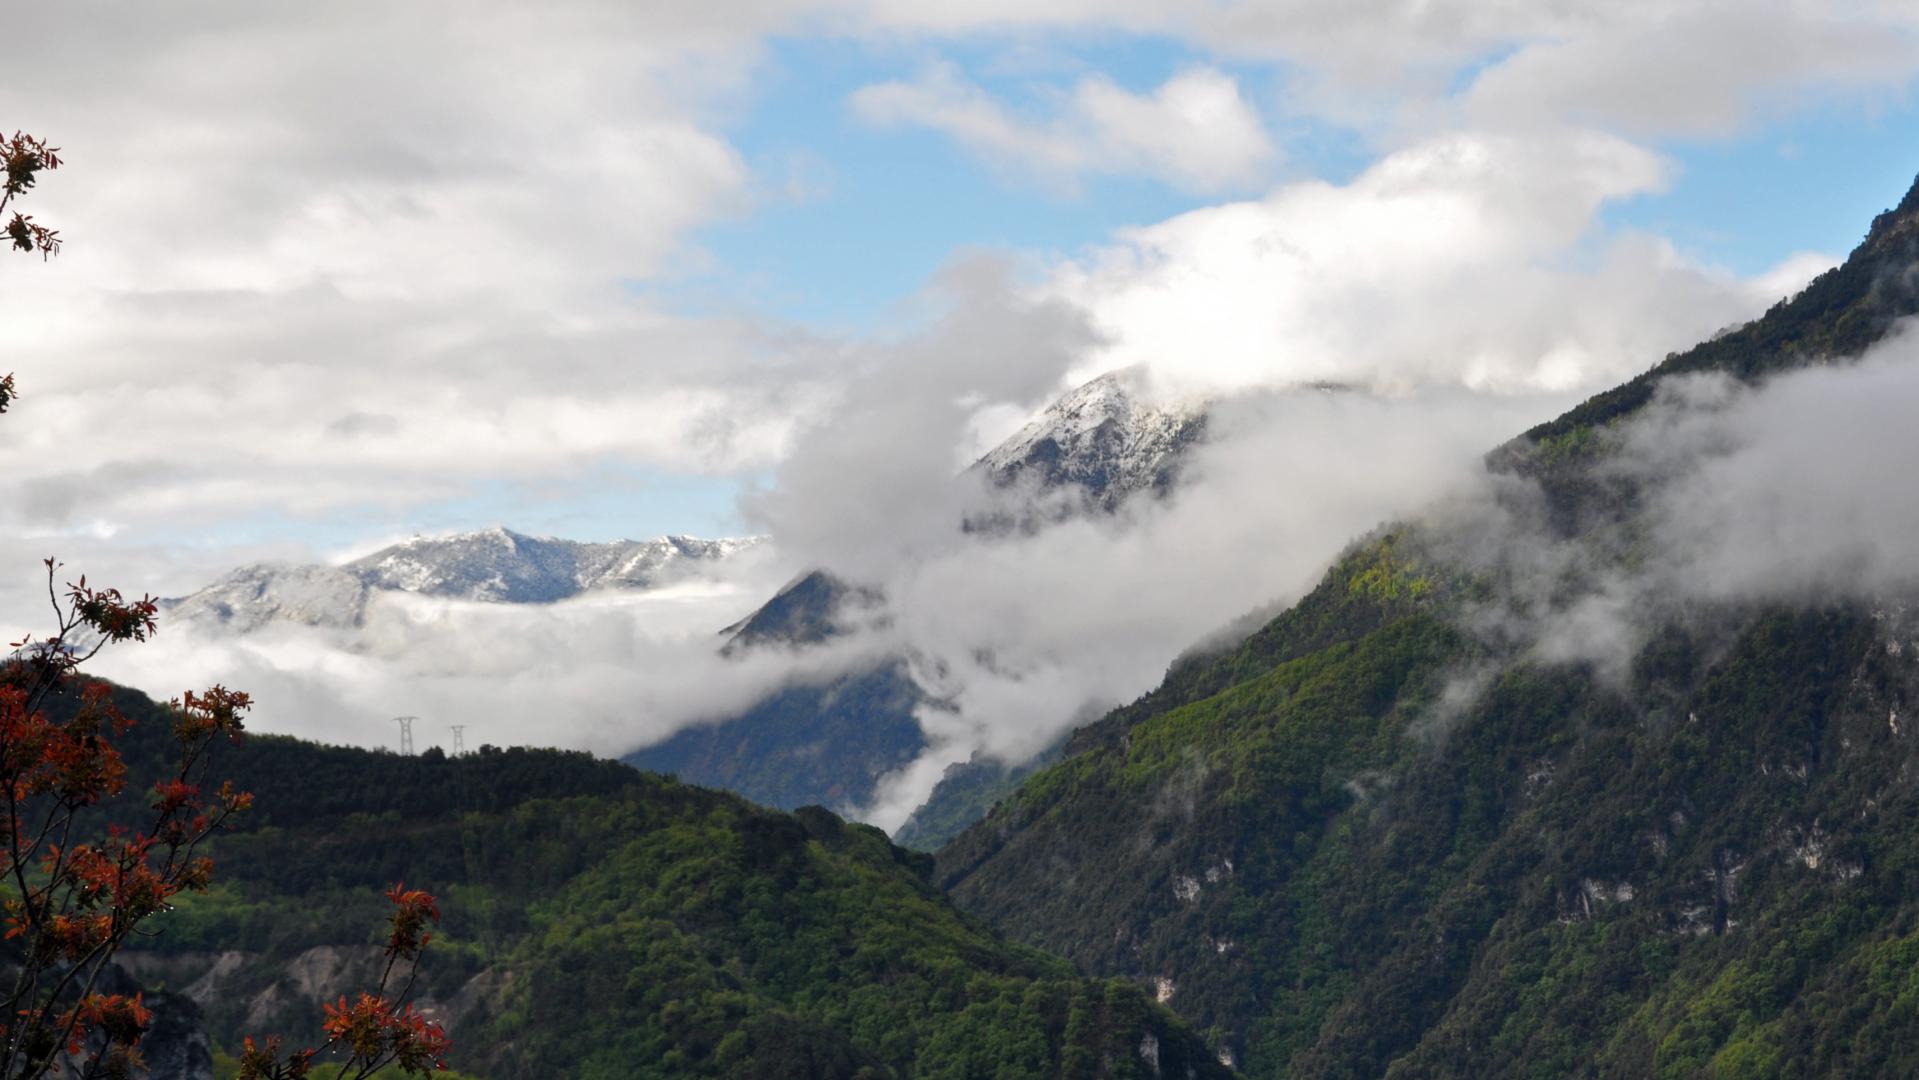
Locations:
column 373, row 1030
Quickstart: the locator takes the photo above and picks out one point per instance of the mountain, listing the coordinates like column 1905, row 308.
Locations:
column 815, row 607
column 605, row 924
column 1391, row 833
column 967, row 791
column 495, row 565
column 264, row 594
column 1102, row 442
column 831, row 743
column 504, row 566
column 826, row 744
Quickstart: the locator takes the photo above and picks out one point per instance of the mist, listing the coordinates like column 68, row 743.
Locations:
column 1792, row 491
column 603, row 672
column 1024, row 634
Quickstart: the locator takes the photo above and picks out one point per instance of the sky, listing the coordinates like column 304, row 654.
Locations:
column 339, row 274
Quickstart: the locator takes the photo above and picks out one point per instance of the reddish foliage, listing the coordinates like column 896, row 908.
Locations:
column 25, row 157
column 373, row 1030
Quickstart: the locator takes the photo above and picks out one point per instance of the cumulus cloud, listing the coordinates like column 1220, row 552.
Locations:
column 1640, row 67
column 1472, row 263
column 1467, row 259
column 1701, row 70
column 1195, row 131
column 875, row 479
column 370, row 256
column 1459, row 292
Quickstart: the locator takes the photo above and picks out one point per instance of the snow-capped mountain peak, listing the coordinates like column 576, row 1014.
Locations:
column 1105, row 437
column 496, row 565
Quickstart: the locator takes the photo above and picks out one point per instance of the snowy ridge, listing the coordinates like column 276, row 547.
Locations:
column 495, row 565
column 1104, row 438
column 252, row 597
column 504, row 566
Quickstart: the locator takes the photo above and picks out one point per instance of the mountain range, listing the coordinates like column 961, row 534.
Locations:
column 818, row 739
column 494, row 565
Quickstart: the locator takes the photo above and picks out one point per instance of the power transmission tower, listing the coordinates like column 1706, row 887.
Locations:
column 459, row 740
column 406, row 733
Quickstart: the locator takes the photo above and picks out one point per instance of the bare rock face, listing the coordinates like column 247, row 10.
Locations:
column 175, row 1046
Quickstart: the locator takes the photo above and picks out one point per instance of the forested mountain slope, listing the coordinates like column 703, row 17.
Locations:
column 1418, row 826
column 601, row 922
column 825, row 742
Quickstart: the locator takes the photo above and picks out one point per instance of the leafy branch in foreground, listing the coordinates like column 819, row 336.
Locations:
column 25, row 158
column 375, row 1031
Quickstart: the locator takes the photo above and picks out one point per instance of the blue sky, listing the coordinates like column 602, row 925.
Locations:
column 888, row 207
column 1812, row 183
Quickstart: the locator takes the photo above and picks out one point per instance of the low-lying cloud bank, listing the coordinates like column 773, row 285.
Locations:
column 604, row 672
column 1795, row 491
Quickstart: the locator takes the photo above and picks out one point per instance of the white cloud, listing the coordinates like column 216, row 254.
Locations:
column 1195, row 131
column 602, row 672
column 370, row 257
column 1785, row 492
column 1466, row 259
column 1792, row 491
column 871, row 481
column 1701, row 69
column 1465, row 284
column 1641, row 67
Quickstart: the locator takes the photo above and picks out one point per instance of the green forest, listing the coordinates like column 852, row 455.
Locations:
column 597, row 916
